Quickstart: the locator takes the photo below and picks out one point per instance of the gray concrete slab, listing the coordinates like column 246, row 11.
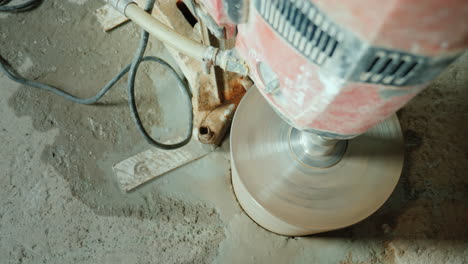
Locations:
column 60, row 202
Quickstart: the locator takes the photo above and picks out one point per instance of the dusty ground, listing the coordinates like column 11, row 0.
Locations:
column 60, row 202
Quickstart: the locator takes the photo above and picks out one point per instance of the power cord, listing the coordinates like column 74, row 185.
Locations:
column 132, row 69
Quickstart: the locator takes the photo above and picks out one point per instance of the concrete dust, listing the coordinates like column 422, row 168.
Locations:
column 60, row 201
column 87, row 210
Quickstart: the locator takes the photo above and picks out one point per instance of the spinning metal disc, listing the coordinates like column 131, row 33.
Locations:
column 288, row 197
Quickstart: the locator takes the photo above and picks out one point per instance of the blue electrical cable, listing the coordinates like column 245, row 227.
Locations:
column 132, row 69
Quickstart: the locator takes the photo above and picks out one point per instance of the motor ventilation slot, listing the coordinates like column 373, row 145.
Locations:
column 390, row 68
column 340, row 52
column 303, row 26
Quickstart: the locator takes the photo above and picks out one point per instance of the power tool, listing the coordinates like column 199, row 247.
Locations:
column 316, row 144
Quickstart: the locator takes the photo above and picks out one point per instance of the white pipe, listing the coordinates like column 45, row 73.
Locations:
column 226, row 59
column 169, row 36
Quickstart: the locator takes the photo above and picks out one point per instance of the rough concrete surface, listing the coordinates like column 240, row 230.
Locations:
column 60, row 201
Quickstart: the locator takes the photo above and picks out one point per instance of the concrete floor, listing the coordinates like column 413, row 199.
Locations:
column 60, row 202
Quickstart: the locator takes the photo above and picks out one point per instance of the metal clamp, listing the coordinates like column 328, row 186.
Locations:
column 229, row 61
column 209, row 59
column 210, row 54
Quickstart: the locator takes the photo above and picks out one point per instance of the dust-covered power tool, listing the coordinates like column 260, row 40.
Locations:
column 316, row 146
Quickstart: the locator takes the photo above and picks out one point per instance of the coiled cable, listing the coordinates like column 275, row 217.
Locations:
column 132, row 69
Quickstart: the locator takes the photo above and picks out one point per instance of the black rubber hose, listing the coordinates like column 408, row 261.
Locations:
column 13, row 75
column 6, row 68
column 25, row 6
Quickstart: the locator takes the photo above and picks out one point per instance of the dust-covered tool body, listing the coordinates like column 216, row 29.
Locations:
column 316, row 145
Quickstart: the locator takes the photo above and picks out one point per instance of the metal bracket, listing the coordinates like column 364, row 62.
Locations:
column 209, row 22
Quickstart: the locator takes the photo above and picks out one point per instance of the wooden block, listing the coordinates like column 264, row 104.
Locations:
column 153, row 163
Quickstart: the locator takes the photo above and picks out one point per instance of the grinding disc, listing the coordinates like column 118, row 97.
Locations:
column 288, row 197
